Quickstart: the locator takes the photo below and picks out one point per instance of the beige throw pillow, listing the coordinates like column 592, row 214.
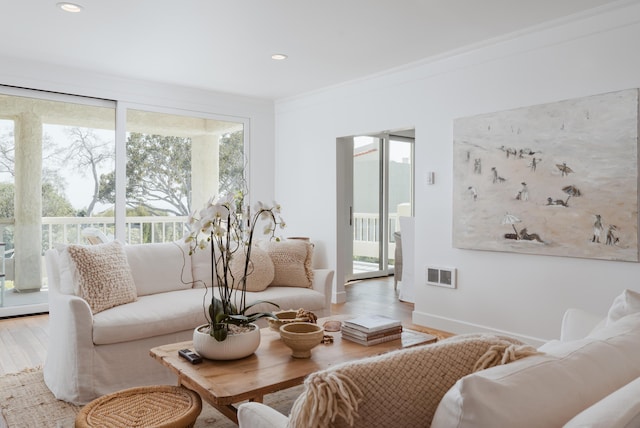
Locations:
column 260, row 273
column 104, row 275
column 292, row 262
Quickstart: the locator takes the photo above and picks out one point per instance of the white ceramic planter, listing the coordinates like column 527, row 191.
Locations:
column 234, row 347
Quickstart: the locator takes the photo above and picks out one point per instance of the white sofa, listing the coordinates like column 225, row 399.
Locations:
column 589, row 378
column 90, row 355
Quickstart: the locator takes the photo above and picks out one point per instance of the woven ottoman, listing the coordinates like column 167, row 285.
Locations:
column 161, row 406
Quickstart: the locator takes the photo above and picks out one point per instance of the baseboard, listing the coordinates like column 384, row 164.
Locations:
column 340, row 297
column 462, row 327
column 12, row 311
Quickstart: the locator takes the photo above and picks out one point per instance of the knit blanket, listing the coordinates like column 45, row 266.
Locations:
column 400, row 388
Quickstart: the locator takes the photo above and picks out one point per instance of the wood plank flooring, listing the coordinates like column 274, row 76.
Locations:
column 23, row 340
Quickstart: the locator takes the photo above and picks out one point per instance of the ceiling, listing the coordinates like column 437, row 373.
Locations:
column 226, row 45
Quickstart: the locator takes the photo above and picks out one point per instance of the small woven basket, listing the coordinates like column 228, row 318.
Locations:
column 162, row 406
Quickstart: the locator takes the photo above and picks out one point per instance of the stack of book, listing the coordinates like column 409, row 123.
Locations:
column 370, row 330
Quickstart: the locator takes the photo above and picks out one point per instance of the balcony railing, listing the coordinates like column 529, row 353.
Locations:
column 366, row 236
column 138, row 230
column 153, row 229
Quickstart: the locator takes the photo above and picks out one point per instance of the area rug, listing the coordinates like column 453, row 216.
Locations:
column 26, row 402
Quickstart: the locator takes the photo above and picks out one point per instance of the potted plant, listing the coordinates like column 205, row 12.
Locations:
column 226, row 229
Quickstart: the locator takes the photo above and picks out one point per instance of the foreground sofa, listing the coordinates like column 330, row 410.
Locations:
column 590, row 378
column 95, row 349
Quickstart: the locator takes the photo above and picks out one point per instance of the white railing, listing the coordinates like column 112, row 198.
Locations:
column 151, row 229
column 138, row 230
column 68, row 230
column 366, row 234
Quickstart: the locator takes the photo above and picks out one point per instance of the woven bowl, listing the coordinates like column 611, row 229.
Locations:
column 301, row 337
column 285, row 317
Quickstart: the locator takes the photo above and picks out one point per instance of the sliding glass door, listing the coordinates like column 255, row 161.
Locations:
column 382, row 180
column 76, row 170
column 53, row 149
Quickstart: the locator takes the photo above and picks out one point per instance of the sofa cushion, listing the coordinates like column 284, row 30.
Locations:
column 547, row 390
column 149, row 316
column 291, row 261
column 174, row 311
column 620, row 409
column 103, row 274
column 160, row 267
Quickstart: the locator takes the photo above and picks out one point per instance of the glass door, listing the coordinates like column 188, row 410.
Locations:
column 367, row 207
column 382, row 177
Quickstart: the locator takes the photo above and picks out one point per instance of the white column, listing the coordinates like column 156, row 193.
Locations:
column 205, row 169
column 28, row 202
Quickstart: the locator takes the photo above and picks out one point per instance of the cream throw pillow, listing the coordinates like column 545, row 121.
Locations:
column 292, row 262
column 261, row 269
column 104, row 275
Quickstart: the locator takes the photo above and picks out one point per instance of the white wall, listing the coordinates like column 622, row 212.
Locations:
column 48, row 77
column 519, row 294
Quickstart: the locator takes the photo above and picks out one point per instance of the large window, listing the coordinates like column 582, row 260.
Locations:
column 62, row 180
column 52, row 152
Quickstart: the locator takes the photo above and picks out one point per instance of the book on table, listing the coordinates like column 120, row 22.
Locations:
column 346, row 330
column 370, row 342
column 372, row 323
column 371, row 329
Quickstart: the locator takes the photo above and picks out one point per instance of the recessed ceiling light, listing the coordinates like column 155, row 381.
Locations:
column 69, row 7
column 279, row 57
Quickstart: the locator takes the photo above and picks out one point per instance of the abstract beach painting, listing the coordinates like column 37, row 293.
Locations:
column 556, row 179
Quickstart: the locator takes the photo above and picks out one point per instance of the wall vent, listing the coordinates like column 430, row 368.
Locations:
column 441, row 276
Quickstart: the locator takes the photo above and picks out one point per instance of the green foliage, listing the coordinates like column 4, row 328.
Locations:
column 232, row 163
column 7, row 191
column 159, row 172
column 54, row 203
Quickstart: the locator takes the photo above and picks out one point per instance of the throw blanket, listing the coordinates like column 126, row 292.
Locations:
column 401, row 388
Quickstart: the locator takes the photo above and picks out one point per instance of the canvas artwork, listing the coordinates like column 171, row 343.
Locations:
column 554, row 179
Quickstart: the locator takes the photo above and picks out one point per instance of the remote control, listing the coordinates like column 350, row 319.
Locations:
column 190, row 356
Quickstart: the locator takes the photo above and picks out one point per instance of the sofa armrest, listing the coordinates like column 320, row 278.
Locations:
column 68, row 368
column 323, row 283
column 578, row 323
column 257, row 415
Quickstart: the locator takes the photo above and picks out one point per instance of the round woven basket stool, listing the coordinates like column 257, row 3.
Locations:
column 160, row 406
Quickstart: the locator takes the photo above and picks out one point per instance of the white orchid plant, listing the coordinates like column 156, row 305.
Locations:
column 227, row 228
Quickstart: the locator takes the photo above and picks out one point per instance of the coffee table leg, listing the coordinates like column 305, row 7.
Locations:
column 231, row 411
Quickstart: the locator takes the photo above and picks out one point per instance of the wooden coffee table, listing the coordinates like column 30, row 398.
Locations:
column 271, row 368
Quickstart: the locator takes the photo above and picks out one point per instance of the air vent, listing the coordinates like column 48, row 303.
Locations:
column 441, row 276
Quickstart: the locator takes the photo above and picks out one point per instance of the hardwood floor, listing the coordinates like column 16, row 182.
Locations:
column 377, row 296
column 23, row 340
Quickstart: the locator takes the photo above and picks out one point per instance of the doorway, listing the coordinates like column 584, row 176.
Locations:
column 376, row 189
